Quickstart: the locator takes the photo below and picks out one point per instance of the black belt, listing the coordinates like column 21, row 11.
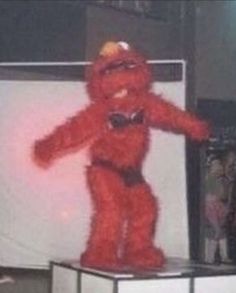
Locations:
column 130, row 175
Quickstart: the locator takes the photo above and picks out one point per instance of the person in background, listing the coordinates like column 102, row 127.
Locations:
column 216, row 211
column 229, row 160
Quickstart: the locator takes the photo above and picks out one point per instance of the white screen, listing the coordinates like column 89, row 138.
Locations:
column 45, row 214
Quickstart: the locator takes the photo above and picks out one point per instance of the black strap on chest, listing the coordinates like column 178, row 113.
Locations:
column 120, row 120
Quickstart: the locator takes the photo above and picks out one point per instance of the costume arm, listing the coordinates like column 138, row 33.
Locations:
column 75, row 132
column 166, row 116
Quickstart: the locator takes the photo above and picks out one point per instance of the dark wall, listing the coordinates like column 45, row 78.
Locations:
column 69, row 30
column 60, row 30
column 41, row 31
column 157, row 38
column 215, row 50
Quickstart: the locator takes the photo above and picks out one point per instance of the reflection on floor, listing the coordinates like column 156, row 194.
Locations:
column 24, row 281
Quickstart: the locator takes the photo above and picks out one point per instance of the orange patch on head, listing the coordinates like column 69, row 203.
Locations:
column 118, row 69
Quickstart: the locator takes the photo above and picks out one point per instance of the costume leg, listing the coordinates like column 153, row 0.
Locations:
column 139, row 250
column 109, row 211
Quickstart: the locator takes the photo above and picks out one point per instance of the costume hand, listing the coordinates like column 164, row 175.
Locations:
column 201, row 131
column 43, row 152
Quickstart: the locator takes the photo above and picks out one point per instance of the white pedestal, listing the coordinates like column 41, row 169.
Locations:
column 177, row 276
column 226, row 284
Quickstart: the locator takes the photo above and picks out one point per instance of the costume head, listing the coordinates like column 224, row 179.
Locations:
column 118, row 70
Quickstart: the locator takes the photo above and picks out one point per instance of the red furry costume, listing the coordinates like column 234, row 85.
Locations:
column 116, row 124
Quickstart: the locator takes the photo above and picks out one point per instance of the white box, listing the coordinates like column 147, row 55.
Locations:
column 226, row 284
column 72, row 278
column 178, row 276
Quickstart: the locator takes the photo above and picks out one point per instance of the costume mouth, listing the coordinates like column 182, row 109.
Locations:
column 118, row 65
column 120, row 94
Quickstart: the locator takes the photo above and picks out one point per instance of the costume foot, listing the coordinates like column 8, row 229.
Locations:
column 99, row 261
column 145, row 259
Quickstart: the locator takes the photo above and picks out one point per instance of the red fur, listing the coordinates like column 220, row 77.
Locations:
column 124, row 217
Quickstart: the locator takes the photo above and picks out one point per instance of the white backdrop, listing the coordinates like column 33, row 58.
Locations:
column 45, row 213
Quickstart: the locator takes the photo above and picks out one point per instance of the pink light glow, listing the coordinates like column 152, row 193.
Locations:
column 55, row 199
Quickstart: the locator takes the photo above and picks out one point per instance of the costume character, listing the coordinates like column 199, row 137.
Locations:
column 116, row 126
